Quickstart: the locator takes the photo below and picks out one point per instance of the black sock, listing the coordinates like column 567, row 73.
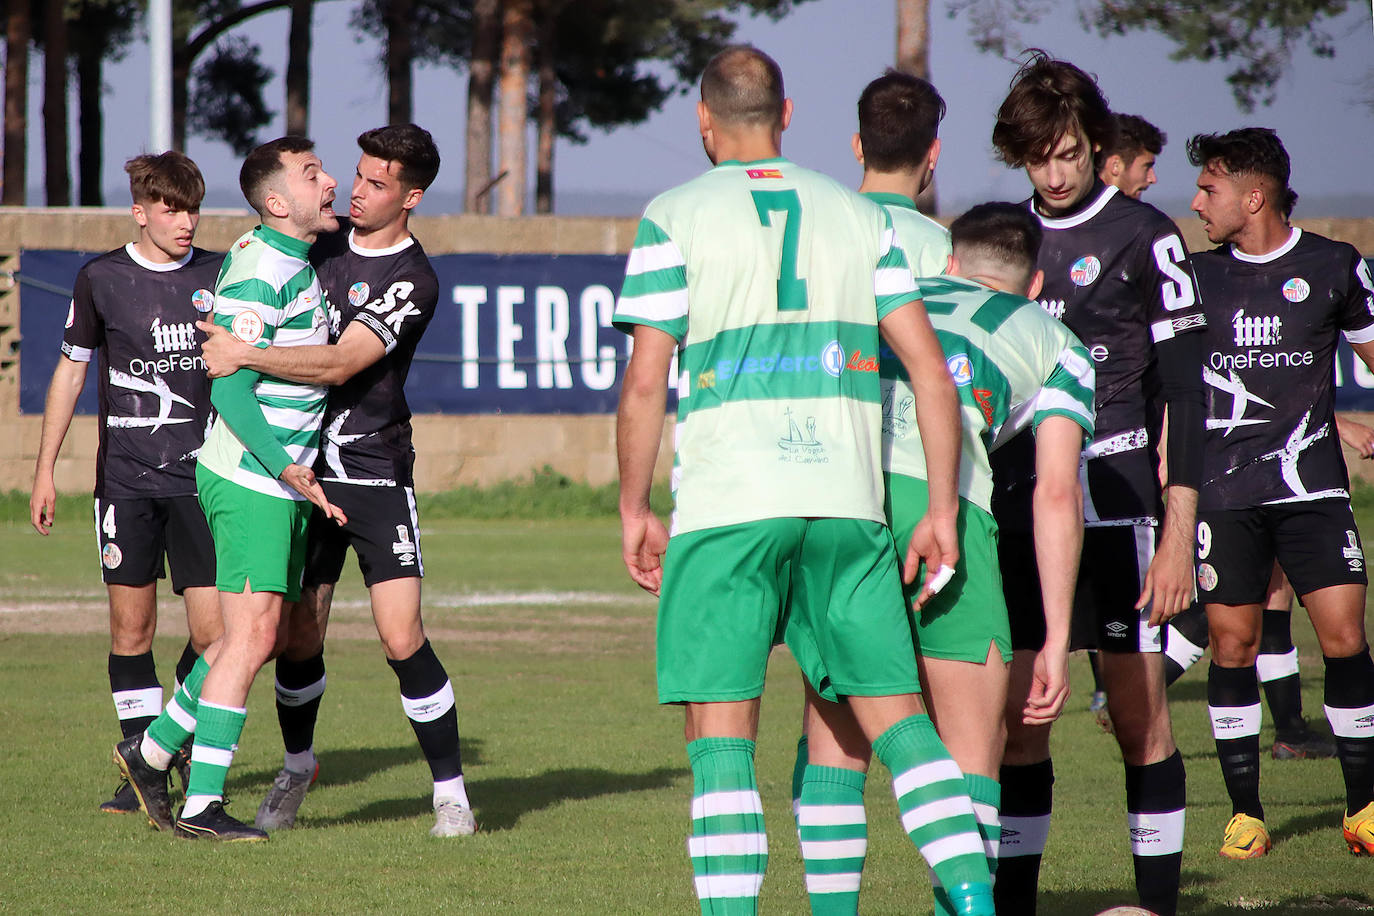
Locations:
column 189, row 657
column 300, row 686
column 1027, row 800
column 1155, row 798
column 1185, row 641
column 1096, row 667
column 1233, row 702
column 427, row 697
column 1277, row 665
column 1349, row 693
column 136, row 691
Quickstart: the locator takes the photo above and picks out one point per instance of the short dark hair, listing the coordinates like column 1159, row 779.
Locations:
column 170, row 177
column 1134, row 135
column 1049, row 99
column 743, row 86
column 1255, row 151
column 998, row 231
column 263, row 164
column 899, row 116
column 408, row 145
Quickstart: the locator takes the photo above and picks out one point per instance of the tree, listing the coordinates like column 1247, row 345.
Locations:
column 18, row 26
column 913, row 56
column 517, row 39
column 399, row 79
column 57, row 177
column 298, row 69
column 486, row 36
column 226, row 99
column 100, row 31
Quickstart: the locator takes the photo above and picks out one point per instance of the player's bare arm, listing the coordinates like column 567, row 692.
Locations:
column 325, row 364
column 68, row 378
column 1169, row 582
column 935, row 541
column 1356, row 435
column 639, row 429
column 1057, row 507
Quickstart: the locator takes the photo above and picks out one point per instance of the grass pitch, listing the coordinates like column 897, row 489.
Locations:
column 579, row 780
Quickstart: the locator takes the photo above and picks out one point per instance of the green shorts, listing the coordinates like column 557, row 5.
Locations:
column 970, row 612
column 259, row 539
column 828, row 587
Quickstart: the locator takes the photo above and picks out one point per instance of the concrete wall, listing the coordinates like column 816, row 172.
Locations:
column 452, row 450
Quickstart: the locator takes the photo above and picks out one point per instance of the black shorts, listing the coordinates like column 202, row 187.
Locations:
column 1111, row 573
column 382, row 529
column 133, row 535
column 1316, row 543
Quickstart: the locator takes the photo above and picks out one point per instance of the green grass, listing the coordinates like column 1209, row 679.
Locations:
column 579, row 780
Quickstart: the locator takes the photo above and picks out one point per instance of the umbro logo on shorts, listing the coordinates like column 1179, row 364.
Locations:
column 1117, row 628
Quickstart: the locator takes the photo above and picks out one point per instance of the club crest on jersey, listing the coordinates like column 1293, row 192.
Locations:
column 960, row 369
column 1085, row 271
column 833, row 359
column 111, row 556
column 357, row 293
column 799, row 447
column 1259, row 331
column 1206, row 576
column 203, row 300
column 897, row 420
column 71, row 313
column 247, row 327
column 1296, row 290
column 763, row 173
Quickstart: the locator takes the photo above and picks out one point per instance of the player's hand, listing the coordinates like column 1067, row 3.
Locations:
column 643, row 541
column 224, row 354
column 42, row 503
column 302, row 480
column 1357, row 436
column 1049, row 686
column 1168, row 587
column 934, row 543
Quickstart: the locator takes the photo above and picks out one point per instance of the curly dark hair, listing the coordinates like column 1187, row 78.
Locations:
column 409, row 145
column 1254, row 151
column 1049, row 99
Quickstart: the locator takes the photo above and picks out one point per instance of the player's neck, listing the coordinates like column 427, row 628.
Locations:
column 388, row 236
column 1266, row 233
column 747, row 145
column 907, row 184
column 289, row 229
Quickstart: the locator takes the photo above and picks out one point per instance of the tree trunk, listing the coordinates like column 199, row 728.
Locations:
column 17, row 28
column 518, row 32
column 913, row 56
column 548, row 81
column 57, row 171
column 486, row 15
column 298, row 69
column 91, row 126
column 400, row 99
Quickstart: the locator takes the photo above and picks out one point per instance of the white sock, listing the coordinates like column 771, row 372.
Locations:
column 152, row 752
column 198, row 803
column 301, row 761
column 451, row 790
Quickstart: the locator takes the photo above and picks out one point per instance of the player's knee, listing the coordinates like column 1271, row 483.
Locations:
column 1234, row 650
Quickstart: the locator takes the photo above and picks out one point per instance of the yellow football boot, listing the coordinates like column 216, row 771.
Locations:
column 1248, row 838
column 1359, row 831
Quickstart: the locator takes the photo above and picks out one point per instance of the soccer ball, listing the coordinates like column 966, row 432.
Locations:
column 1126, row 911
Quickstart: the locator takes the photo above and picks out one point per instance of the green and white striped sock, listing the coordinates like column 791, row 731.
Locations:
column 217, row 737
column 170, row 730
column 834, row 838
column 728, row 846
column 986, row 795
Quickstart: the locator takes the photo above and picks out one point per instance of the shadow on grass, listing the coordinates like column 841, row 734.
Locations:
column 1091, row 902
column 1327, row 820
column 346, row 766
column 500, row 803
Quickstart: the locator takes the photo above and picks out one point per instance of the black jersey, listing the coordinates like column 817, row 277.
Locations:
column 1117, row 274
column 153, row 394
column 1273, row 322
column 393, row 293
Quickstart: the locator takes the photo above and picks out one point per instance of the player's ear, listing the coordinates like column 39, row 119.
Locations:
column 786, row 113
column 140, row 215
column 276, row 205
column 952, row 265
column 412, row 198
column 857, row 146
column 1254, row 201
column 934, row 155
column 703, row 119
column 1037, row 283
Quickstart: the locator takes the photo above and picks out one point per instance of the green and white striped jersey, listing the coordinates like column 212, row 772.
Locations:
column 772, row 278
column 925, row 241
column 268, row 295
column 1013, row 366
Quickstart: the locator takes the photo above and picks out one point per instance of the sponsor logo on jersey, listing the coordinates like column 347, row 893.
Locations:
column 357, row 293
column 71, row 313
column 203, row 300
column 247, row 327
column 896, row 414
column 1354, row 556
column 832, row 359
column 1099, row 353
column 1260, row 331
column 1188, row 322
column 1227, row 723
column 798, row 446
column 1085, row 271
column 960, row 369
column 1296, row 290
column 1206, row 577
column 111, row 556
column 984, row 399
column 1054, row 307
column 763, row 173
column 860, row 363
column 171, row 338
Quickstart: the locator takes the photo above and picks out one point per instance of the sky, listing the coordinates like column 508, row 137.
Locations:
column 827, row 53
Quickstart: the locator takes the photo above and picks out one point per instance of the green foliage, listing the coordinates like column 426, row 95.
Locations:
column 226, row 97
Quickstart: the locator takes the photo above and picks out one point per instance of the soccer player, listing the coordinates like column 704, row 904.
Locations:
column 1015, row 368
column 1275, row 482
column 1128, row 162
column 771, row 281
column 137, row 306
column 1116, row 273
column 381, row 293
column 255, row 484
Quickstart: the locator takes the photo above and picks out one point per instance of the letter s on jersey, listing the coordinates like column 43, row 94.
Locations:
column 1177, row 292
column 398, row 294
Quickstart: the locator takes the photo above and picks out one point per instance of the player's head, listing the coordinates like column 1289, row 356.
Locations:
column 899, row 117
column 1129, row 162
column 1244, row 178
column 997, row 244
column 1052, row 123
column 398, row 163
column 742, row 97
column 167, row 190
column 286, row 183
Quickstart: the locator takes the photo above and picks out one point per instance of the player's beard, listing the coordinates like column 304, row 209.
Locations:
column 313, row 221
